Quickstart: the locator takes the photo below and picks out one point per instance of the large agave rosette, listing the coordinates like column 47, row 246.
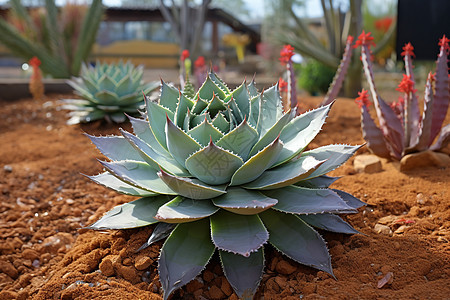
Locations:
column 226, row 170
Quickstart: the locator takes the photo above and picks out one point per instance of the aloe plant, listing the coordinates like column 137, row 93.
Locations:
column 107, row 91
column 226, row 170
column 59, row 49
column 402, row 129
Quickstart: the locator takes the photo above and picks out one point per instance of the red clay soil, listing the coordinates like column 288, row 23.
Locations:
column 45, row 201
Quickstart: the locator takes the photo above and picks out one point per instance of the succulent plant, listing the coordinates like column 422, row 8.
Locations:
column 108, row 91
column 402, row 129
column 226, row 170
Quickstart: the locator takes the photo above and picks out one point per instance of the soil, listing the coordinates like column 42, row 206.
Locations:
column 46, row 201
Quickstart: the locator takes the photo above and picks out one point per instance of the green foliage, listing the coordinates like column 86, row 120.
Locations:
column 226, row 170
column 315, row 77
column 52, row 38
column 108, row 91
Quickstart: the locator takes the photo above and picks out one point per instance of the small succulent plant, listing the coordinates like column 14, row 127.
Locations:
column 108, row 91
column 402, row 129
column 226, row 170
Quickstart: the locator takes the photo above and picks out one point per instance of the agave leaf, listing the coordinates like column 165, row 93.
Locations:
column 169, row 96
column 335, row 156
column 236, row 111
column 242, row 98
column 239, row 140
column 134, row 97
column 329, row 222
column 244, row 202
column 89, row 83
column 82, row 89
column 441, row 95
column 179, row 143
column 374, row 136
column 443, row 139
column 106, row 97
column 219, row 82
column 286, row 174
column 297, row 240
column 272, row 133
column 196, row 120
column 191, row 188
column 320, row 182
column 123, row 86
column 237, row 234
column 215, row 106
column 88, row 116
column 110, row 181
column 181, row 210
column 213, row 165
column 221, row 123
column 137, row 213
column 183, row 106
column 270, row 110
column 243, row 273
column 115, row 147
column 199, row 106
column 350, row 199
column 157, row 116
column 257, row 164
column 298, row 200
column 204, row 132
column 209, row 89
column 118, row 117
column 106, row 83
column 153, row 158
column 141, row 129
column 299, row 132
column 252, row 90
column 254, row 110
column 161, row 231
column 177, row 264
column 424, row 135
column 139, row 174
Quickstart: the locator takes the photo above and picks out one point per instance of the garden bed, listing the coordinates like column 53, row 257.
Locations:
column 45, row 201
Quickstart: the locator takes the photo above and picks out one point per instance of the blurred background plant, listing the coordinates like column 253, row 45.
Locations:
column 61, row 38
column 314, row 76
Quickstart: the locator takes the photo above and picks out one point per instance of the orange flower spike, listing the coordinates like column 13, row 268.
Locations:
column 363, row 99
column 200, row 62
column 185, row 54
column 364, row 39
column 406, row 85
column 286, row 53
column 283, row 85
column 34, row 62
column 408, row 50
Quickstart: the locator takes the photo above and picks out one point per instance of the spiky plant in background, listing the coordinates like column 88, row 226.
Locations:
column 108, row 91
column 226, row 170
column 402, row 129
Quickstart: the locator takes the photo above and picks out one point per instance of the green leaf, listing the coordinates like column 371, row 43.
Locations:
column 270, row 110
column 115, row 147
column 204, row 132
column 157, row 116
column 183, row 106
column 349, row 199
column 134, row 214
column 237, row 234
column 215, row 106
column 198, row 119
column 106, row 97
column 181, row 210
column 242, row 98
column 243, row 273
column 285, row 174
column 254, row 110
column 298, row 133
column 221, row 123
column 139, row 174
column 209, row 89
column 297, row 240
column 239, row 140
column 321, row 182
column 153, row 158
column 110, row 181
column 335, row 156
column 169, row 96
column 244, row 202
column 191, row 188
column 235, row 110
column 184, row 255
column 179, row 143
column 253, row 91
column 219, row 82
column 213, row 165
column 329, row 222
column 257, row 164
column 199, row 106
column 298, row 200
column 107, row 84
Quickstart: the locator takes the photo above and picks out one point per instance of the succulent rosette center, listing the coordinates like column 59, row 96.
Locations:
column 228, row 170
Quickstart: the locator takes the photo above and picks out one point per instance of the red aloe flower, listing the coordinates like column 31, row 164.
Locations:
column 350, row 39
column 443, row 42
column 185, row 54
column 199, row 62
column 286, row 53
column 408, row 50
column 383, row 24
column 406, row 85
column 363, row 99
column 34, row 62
column 282, row 84
column 364, row 39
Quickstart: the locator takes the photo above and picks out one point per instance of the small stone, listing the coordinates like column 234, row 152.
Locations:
column 414, row 211
column 387, row 220
column 208, row 275
column 383, row 229
column 424, row 159
column 442, row 239
column 142, row 263
column 367, row 163
column 106, row 267
column 7, row 168
column 127, row 261
column 281, row 281
column 216, row 293
column 30, row 254
column 194, row 285
column 400, row 230
column 6, row 295
column 283, row 267
column 55, row 242
column 226, row 287
column 8, row 268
